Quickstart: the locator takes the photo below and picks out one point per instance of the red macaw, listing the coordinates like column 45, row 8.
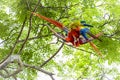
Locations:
column 72, row 34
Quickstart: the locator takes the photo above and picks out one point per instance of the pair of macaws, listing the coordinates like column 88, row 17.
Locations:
column 77, row 34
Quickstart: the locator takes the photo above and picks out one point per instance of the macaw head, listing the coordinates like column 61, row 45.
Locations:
column 83, row 22
column 74, row 24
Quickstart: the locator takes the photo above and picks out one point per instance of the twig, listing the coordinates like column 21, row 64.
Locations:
column 8, row 37
column 107, row 22
column 36, row 37
column 115, row 33
column 52, row 56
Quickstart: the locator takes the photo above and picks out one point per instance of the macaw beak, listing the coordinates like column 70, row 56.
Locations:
column 87, row 25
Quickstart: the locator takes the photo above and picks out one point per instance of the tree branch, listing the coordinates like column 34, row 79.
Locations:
column 10, row 59
column 36, row 37
column 107, row 22
column 17, row 39
column 76, row 47
column 8, row 37
column 115, row 33
column 9, row 74
column 30, row 27
column 39, row 69
column 44, row 63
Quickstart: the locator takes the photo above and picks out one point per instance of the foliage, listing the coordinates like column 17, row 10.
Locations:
column 69, row 63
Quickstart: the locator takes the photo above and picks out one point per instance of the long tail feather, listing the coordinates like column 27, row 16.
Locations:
column 56, row 23
column 95, row 48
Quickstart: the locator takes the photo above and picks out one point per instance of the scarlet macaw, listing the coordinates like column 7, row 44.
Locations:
column 76, row 29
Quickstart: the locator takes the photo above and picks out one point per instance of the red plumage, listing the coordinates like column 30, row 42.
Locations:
column 73, row 35
column 56, row 23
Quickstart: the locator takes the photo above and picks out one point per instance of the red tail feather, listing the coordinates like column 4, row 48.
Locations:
column 56, row 23
column 95, row 48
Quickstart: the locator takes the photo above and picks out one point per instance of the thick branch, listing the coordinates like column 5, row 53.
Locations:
column 10, row 60
column 52, row 77
column 39, row 69
column 5, row 76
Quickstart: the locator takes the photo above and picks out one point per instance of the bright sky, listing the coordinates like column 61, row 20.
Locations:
column 42, row 76
column 1, row 44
